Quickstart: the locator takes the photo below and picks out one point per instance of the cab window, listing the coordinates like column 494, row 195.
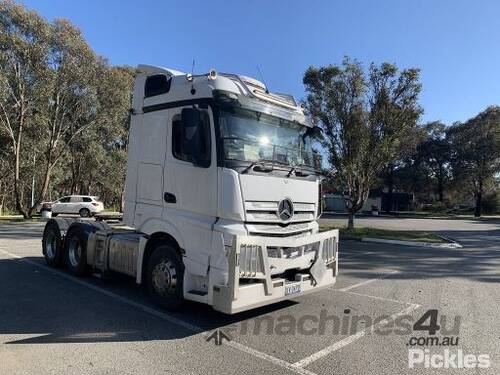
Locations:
column 156, row 85
column 191, row 137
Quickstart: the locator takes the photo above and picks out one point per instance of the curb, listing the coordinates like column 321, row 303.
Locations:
column 450, row 245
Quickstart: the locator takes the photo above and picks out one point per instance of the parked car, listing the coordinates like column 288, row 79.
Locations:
column 84, row 205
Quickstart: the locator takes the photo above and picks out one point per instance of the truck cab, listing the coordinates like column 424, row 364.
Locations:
column 221, row 194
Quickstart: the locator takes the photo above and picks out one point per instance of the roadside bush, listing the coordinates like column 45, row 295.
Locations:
column 491, row 203
column 435, row 207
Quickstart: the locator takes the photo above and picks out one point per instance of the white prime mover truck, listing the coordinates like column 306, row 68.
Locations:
column 222, row 198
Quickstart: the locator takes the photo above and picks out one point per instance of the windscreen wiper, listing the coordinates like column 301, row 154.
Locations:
column 297, row 173
column 255, row 164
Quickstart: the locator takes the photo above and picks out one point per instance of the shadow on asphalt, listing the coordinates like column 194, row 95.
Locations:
column 21, row 231
column 40, row 307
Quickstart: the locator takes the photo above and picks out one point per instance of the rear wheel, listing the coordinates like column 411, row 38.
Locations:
column 52, row 244
column 84, row 212
column 76, row 251
column 164, row 277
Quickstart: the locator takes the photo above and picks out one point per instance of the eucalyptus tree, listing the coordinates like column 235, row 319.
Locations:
column 436, row 153
column 54, row 92
column 364, row 116
column 475, row 152
column 24, row 45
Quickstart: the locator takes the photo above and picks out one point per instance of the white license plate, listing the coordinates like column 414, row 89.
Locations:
column 292, row 289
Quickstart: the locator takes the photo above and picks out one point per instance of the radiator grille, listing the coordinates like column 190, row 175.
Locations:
column 267, row 212
column 276, row 230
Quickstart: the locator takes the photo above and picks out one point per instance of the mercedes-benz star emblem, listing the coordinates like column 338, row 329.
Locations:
column 285, row 209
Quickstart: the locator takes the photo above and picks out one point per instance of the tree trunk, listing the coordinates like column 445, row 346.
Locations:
column 440, row 189
column 18, row 189
column 43, row 191
column 122, row 201
column 75, row 175
column 390, row 189
column 2, row 197
column 440, row 184
column 350, row 220
column 479, row 198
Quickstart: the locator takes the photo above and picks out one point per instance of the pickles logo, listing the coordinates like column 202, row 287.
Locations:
column 447, row 359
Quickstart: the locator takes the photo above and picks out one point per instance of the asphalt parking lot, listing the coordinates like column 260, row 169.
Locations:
column 52, row 323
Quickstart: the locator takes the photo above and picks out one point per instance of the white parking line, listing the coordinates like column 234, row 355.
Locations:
column 350, row 339
column 380, row 298
column 367, row 281
column 164, row 316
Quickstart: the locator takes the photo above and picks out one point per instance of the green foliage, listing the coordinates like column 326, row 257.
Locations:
column 63, row 112
column 365, row 117
column 491, row 203
column 475, row 152
column 435, row 207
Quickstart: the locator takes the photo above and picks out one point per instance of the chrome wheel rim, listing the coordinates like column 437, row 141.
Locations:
column 75, row 252
column 164, row 277
column 50, row 245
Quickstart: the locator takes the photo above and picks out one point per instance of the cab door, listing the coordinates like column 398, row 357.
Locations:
column 190, row 182
column 191, row 164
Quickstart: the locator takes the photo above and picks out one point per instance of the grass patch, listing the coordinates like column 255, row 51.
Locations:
column 400, row 235
column 18, row 219
column 450, row 215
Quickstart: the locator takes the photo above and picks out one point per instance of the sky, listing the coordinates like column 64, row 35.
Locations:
column 455, row 43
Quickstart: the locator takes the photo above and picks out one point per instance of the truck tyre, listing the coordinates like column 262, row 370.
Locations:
column 52, row 246
column 84, row 212
column 75, row 250
column 164, row 278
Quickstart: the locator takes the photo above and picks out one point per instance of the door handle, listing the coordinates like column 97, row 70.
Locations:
column 169, row 198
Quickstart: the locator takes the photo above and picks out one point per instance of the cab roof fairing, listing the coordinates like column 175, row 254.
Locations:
column 252, row 92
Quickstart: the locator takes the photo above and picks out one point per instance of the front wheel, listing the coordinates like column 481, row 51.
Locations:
column 164, row 278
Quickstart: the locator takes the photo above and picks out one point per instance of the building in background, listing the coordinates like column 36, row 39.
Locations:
column 377, row 201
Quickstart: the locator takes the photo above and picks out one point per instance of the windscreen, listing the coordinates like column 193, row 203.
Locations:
column 253, row 136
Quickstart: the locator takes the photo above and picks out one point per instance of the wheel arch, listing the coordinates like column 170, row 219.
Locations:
column 156, row 239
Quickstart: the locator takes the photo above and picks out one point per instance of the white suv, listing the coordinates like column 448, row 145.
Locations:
column 84, row 205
